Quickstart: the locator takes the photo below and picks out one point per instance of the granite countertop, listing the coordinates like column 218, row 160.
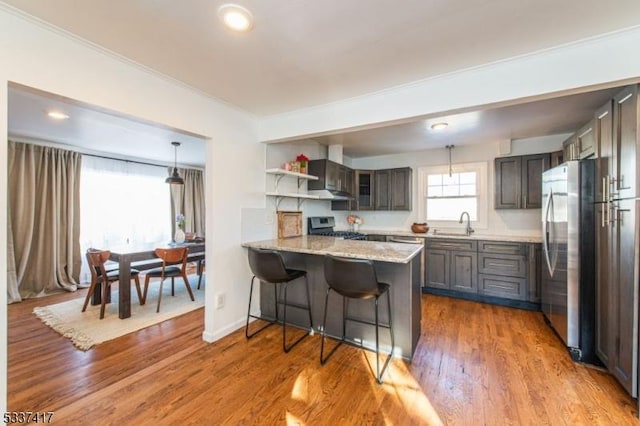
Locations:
column 356, row 249
column 474, row 236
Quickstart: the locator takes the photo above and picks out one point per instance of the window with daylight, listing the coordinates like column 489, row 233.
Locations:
column 445, row 197
column 122, row 202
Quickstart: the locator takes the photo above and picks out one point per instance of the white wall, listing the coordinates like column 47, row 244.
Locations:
column 43, row 58
column 562, row 70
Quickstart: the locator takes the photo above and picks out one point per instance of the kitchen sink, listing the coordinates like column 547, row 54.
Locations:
column 450, row 234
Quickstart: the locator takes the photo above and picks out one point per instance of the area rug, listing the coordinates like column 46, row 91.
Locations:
column 86, row 329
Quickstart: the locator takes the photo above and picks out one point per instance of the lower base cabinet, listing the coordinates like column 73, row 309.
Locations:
column 452, row 265
column 500, row 286
column 502, row 269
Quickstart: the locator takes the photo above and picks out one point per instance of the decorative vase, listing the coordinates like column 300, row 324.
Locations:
column 179, row 237
column 303, row 167
column 356, row 227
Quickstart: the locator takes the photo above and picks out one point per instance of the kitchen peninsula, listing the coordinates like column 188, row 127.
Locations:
column 396, row 264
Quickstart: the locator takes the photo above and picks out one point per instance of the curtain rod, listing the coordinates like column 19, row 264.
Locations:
column 120, row 159
column 80, row 150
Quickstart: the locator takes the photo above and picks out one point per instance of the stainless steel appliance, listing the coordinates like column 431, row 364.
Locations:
column 568, row 276
column 323, row 225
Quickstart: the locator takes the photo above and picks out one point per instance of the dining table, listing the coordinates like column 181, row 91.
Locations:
column 141, row 256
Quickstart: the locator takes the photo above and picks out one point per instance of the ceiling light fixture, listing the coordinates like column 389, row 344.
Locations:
column 439, row 126
column 175, row 178
column 236, row 17
column 57, row 115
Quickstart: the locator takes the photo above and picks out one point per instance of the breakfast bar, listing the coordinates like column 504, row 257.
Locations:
column 396, row 264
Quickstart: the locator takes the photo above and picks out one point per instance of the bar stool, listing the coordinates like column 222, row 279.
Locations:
column 355, row 279
column 268, row 266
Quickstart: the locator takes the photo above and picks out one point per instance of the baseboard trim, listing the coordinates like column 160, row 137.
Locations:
column 212, row 336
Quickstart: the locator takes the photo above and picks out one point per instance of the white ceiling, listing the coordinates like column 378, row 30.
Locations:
column 307, row 52
column 97, row 131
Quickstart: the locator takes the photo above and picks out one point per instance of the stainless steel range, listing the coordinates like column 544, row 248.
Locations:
column 323, row 225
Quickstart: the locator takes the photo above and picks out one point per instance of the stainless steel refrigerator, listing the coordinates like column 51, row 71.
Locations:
column 568, row 275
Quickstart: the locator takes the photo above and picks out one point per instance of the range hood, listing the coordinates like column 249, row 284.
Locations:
column 330, row 194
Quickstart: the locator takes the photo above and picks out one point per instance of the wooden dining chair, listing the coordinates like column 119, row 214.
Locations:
column 103, row 277
column 174, row 264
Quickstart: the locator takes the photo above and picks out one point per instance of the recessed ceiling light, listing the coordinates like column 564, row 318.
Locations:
column 57, row 115
column 236, row 17
column 439, row 126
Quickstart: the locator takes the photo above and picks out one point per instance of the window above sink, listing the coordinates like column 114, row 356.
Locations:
column 442, row 198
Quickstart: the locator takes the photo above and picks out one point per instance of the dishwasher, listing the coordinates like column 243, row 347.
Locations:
column 423, row 254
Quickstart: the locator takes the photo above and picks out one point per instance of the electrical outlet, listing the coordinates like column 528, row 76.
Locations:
column 220, row 300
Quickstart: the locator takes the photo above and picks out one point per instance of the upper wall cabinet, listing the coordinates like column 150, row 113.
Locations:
column 582, row 144
column 388, row 189
column 518, row 181
column 331, row 176
column 393, row 189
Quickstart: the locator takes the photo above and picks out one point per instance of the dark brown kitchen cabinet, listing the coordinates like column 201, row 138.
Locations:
column 438, row 266
column 556, row 158
column 393, row 189
column 365, row 189
column 605, row 286
column 518, row 181
column 623, row 363
column 625, row 138
column 346, row 183
column 382, row 197
column 569, row 150
column 586, row 140
column 503, row 269
column 452, row 265
column 387, row 189
column 401, row 187
column 534, row 278
column 617, row 136
column 581, row 144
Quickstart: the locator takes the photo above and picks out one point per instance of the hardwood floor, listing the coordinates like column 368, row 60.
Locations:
column 476, row 364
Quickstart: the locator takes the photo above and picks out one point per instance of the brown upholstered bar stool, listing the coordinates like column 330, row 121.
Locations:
column 355, row 279
column 268, row 266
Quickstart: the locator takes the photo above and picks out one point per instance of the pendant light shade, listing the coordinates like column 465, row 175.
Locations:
column 175, row 178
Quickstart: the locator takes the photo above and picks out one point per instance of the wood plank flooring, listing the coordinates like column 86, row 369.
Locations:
column 476, row 364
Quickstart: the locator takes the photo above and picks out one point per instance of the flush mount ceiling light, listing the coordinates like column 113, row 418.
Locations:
column 175, row 178
column 57, row 115
column 236, row 17
column 439, row 126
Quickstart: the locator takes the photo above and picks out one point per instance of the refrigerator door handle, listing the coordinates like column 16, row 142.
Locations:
column 545, row 234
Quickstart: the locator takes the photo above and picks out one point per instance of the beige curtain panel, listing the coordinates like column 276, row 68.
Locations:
column 43, row 220
column 188, row 199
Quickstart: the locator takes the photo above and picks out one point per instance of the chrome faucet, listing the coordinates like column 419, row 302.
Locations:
column 469, row 229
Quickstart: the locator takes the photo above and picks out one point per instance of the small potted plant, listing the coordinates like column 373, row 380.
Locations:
column 303, row 161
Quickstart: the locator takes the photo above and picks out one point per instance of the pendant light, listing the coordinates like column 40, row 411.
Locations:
column 175, row 178
column 449, row 148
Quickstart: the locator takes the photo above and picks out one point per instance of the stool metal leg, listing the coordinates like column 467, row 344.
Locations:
column 379, row 373
column 249, row 316
column 284, row 319
column 323, row 360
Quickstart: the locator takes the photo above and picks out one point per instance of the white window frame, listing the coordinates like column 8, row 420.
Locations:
column 481, row 169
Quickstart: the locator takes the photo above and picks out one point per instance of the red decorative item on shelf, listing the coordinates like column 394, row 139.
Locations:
column 302, row 161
